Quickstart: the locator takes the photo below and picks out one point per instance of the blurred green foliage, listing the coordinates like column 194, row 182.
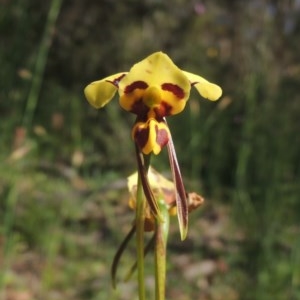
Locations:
column 242, row 151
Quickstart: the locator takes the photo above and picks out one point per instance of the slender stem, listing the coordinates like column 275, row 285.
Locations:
column 162, row 230
column 140, row 222
column 149, row 246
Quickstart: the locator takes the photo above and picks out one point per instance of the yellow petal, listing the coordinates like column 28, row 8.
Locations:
column 157, row 72
column 206, row 89
column 99, row 93
column 156, row 180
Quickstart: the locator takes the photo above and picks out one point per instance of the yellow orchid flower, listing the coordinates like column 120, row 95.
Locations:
column 153, row 89
column 163, row 189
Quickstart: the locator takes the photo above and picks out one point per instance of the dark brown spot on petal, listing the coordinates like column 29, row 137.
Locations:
column 135, row 85
column 141, row 136
column 139, row 108
column 162, row 136
column 116, row 80
column 164, row 109
column 173, row 88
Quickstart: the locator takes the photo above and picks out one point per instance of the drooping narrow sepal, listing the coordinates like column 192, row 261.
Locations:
column 149, row 246
column 180, row 194
column 118, row 255
column 146, row 186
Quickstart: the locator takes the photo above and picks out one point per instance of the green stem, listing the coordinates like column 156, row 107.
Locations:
column 140, row 222
column 41, row 61
column 162, row 230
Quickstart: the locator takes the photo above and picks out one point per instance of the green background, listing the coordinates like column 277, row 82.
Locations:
column 63, row 169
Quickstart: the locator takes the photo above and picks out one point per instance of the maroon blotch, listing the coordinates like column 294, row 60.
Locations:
column 173, row 88
column 135, row 85
column 163, row 110
column 141, row 136
column 116, row 81
column 162, row 136
column 139, row 108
